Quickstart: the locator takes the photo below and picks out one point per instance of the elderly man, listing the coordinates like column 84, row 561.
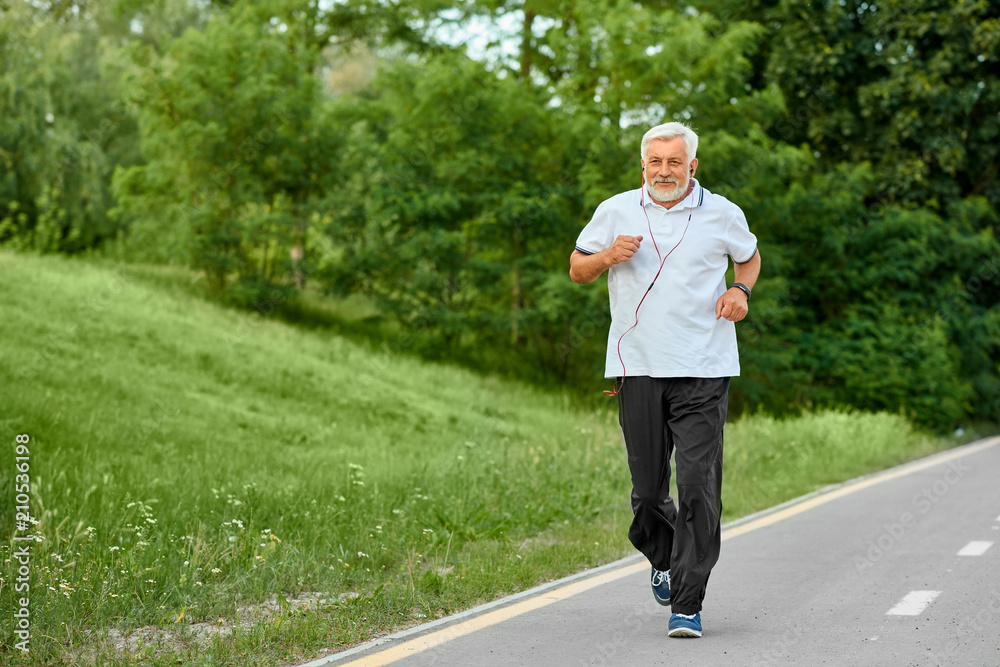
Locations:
column 672, row 347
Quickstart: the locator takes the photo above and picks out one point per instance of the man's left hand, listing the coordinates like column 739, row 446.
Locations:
column 732, row 305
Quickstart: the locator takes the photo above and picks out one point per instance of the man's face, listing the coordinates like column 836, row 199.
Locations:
column 667, row 169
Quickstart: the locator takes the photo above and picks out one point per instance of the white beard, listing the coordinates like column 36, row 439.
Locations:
column 673, row 194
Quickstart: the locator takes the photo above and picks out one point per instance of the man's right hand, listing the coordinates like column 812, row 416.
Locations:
column 623, row 248
column 584, row 268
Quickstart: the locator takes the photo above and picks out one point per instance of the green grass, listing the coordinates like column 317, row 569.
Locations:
column 189, row 461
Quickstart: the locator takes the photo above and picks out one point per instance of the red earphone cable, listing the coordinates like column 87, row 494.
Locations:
column 617, row 386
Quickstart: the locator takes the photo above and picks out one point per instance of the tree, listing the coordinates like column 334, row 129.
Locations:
column 56, row 148
column 910, row 87
column 454, row 165
column 886, row 310
column 233, row 147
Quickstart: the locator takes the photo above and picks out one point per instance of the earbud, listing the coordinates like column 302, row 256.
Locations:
column 692, row 172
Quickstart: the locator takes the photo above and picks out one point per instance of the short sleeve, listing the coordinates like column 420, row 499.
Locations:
column 741, row 244
column 598, row 235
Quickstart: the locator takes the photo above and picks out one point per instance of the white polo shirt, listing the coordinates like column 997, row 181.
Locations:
column 677, row 334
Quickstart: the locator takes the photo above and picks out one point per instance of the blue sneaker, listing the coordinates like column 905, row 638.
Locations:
column 660, row 582
column 682, row 625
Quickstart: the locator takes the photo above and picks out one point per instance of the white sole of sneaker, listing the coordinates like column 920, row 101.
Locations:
column 684, row 632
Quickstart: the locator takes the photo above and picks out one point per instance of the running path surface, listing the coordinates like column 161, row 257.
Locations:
column 811, row 582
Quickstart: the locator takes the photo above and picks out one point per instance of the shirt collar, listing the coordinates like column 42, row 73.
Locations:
column 694, row 199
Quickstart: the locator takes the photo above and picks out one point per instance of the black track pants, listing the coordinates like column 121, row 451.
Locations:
column 684, row 416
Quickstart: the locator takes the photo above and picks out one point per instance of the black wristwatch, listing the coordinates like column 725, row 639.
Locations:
column 741, row 286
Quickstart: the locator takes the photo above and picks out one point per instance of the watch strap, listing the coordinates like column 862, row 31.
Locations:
column 741, row 286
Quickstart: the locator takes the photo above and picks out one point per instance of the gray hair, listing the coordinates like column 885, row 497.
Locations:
column 669, row 131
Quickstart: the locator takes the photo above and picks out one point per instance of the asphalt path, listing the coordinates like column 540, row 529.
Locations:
column 899, row 568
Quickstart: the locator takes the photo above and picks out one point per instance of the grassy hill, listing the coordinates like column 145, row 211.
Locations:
column 251, row 492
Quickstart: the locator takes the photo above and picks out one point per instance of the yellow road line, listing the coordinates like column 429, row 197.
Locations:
column 432, row 639
column 445, row 635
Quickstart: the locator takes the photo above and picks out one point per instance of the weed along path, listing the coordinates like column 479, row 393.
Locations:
column 901, row 567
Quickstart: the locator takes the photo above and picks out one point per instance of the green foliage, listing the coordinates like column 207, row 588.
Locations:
column 887, row 307
column 230, row 151
column 452, row 165
column 56, row 126
column 911, row 87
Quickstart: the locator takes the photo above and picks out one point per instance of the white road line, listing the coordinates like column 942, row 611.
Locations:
column 975, row 548
column 913, row 603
